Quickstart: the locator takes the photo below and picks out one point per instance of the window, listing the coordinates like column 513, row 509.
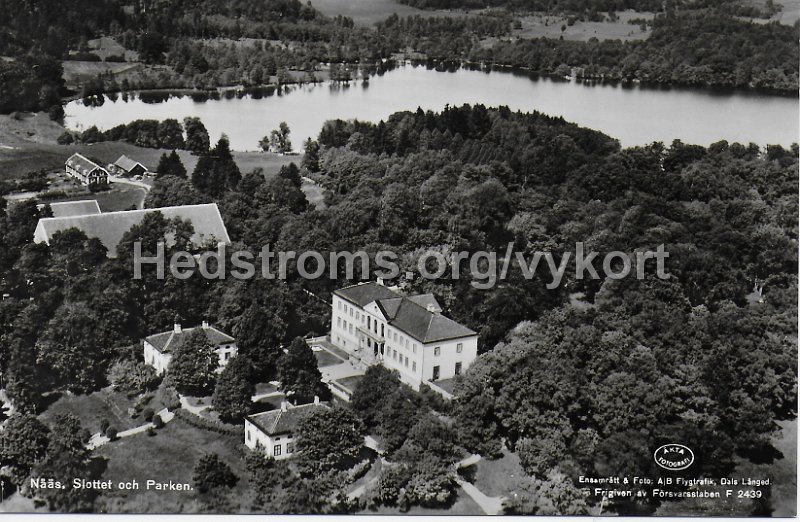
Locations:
column 290, row 447
column 351, row 329
column 406, row 362
column 249, row 435
column 276, row 450
column 339, row 322
column 414, row 367
column 351, row 311
column 458, row 368
column 394, row 354
column 381, row 329
column 437, row 351
column 435, row 373
column 358, row 316
column 459, row 347
column 339, row 305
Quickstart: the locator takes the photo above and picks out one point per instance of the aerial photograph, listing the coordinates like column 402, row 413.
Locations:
column 399, row 257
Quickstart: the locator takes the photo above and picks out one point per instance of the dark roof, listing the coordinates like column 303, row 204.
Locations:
column 409, row 314
column 83, row 164
column 167, row 342
column 127, row 164
column 365, row 293
column 75, row 208
column 277, row 422
column 424, row 300
column 420, row 323
column 109, row 227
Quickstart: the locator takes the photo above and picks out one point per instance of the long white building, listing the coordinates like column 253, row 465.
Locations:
column 377, row 325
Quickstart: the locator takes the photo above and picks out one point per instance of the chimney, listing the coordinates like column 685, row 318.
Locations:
column 284, row 406
column 177, row 328
column 316, row 399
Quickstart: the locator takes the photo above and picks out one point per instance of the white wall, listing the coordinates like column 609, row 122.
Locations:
column 257, row 440
column 449, row 356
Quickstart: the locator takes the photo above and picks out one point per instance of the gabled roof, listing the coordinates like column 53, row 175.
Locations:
column 364, row 293
column 277, row 422
column 109, row 227
column 127, row 164
column 409, row 314
column 82, row 164
column 167, row 342
column 75, row 208
column 420, row 323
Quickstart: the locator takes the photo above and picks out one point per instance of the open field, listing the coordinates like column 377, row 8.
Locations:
column 105, row 47
column 119, row 197
column 549, row 26
column 78, row 72
column 169, row 456
column 368, row 12
column 788, row 15
column 28, row 143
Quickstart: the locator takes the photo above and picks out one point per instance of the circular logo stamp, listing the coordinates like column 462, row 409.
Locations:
column 674, row 457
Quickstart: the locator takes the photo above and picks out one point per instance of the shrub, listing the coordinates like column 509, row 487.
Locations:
column 158, row 422
column 132, row 376
column 111, row 433
column 168, row 396
column 104, row 424
column 151, row 432
column 147, row 414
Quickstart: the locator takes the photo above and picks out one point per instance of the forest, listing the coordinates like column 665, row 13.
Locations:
column 580, row 379
column 705, row 47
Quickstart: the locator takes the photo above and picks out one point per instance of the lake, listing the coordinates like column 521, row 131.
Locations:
column 633, row 114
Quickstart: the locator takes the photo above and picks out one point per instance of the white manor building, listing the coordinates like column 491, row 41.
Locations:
column 377, row 325
column 158, row 348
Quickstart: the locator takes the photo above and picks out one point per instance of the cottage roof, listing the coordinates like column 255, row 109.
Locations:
column 82, row 164
column 277, row 422
column 127, row 164
column 167, row 342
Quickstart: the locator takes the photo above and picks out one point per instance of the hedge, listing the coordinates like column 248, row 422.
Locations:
column 208, row 424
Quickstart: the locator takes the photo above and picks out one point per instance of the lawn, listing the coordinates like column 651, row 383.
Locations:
column 93, row 408
column 170, row 455
column 119, row 197
column 368, row 12
column 497, row 477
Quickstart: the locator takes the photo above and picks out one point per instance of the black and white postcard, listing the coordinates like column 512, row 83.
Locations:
column 399, row 257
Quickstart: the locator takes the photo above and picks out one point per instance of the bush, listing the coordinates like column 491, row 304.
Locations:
column 207, row 424
column 168, row 396
column 66, row 138
column 132, row 376
column 104, row 424
column 151, row 432
column 158, row 422
column 111, row 433
column 147, row 414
